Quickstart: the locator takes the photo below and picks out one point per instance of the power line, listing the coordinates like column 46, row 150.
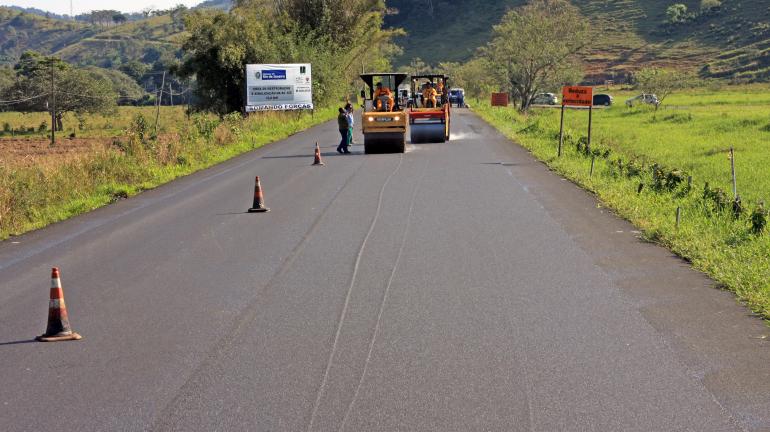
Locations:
column 16, row 101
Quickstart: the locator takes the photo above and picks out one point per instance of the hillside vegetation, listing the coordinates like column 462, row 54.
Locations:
column 732, row 41
column 145, row 40
column 20, row 32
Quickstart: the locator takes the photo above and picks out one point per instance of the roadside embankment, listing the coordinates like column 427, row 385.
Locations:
column 42, row 190
column 650, row 166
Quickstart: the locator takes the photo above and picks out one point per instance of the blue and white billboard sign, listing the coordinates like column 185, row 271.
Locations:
column 278, row 87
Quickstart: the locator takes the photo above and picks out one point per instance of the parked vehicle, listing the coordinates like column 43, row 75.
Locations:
column 602, row 99
column 404, row 96
column 457, row 97
column 643, row 98
column 545, row 99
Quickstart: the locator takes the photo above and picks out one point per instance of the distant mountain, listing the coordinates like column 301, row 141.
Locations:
column 731, row 40
column 216, row 4
column 146, row 40
column 20, row 31
column 38, row 12
column 104, row 45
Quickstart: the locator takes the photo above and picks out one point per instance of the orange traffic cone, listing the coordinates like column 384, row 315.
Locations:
column 318, row 160
column 58, row 323
column 259, row 205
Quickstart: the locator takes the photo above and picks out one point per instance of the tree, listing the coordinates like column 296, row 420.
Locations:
column 662, row 82
column 537, row 46
column 335, row 36
column 7, row 77
column 126, row 88
column 119, row 19
column 103, row 18
column 135, row 69
column 40, row 79
column 417, row 66
column 710, row 5
column 473, row 76
column 676, row 13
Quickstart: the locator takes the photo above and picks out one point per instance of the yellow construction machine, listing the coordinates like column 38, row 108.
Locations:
column 384, row 121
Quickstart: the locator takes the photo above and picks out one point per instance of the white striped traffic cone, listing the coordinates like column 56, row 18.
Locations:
column 58, row 322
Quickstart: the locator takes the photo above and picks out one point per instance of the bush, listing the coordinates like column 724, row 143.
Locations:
column 708, row 5
column 759, row 219
column 676, row 13
column 737, row 207
column 717, row 196
column 139, row 127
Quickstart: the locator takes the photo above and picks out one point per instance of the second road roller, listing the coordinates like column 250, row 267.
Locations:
column 429, row 112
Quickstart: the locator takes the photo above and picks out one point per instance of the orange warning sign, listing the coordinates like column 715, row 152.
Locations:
column 577, row 96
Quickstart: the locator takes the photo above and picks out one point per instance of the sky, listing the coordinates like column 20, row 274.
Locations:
column 81, row 6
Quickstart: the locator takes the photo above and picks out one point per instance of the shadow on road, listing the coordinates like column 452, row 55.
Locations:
column 233, row 213
column 506, row 164
column 18, row 342
column 310, row 156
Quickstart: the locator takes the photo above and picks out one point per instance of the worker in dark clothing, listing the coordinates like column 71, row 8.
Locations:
column 344, row 125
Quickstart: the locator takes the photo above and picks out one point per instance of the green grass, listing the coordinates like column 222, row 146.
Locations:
column 33, row 197
column 94, row 125
column 691, row 137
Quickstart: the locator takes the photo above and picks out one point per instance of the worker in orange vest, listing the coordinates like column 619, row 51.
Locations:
column 441, row 91
column 429, row 96
column 383, row 91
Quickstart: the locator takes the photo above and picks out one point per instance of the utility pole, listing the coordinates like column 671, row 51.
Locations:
column 53, row 104
column 160, row 99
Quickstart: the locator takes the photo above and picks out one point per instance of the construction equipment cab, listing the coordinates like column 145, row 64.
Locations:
column 429, row 113
column 383, row 121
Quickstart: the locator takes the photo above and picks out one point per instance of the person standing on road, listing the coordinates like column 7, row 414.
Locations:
column 344, row 126
column 349, row 112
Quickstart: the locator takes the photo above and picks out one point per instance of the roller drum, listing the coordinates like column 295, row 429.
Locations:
column 384, row 142
column 428, row 132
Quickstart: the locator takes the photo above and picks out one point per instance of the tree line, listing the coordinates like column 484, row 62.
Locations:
column 537, row 48
column 339, row 38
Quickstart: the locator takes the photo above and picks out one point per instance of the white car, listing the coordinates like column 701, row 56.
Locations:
column 643, row 98
column 545, row 99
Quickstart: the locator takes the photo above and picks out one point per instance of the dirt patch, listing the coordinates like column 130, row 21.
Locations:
column 36, row 151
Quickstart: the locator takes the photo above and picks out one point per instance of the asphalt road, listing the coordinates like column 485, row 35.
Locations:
column 457, row 287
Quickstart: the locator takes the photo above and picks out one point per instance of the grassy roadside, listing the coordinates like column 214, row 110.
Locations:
column 32, row 197
column 657, row 152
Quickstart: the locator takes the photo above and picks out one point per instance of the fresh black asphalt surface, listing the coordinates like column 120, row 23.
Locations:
column 457, row 287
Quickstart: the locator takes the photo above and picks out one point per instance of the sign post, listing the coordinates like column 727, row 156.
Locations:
column 561, row 129
column 577, row 96
column 279, row 87
column 590, row 123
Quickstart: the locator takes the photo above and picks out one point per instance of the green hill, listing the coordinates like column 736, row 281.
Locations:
column 20, row 32
column 731, row 41
column 146, row 40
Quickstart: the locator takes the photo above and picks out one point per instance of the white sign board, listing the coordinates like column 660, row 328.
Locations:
column 278, row 87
